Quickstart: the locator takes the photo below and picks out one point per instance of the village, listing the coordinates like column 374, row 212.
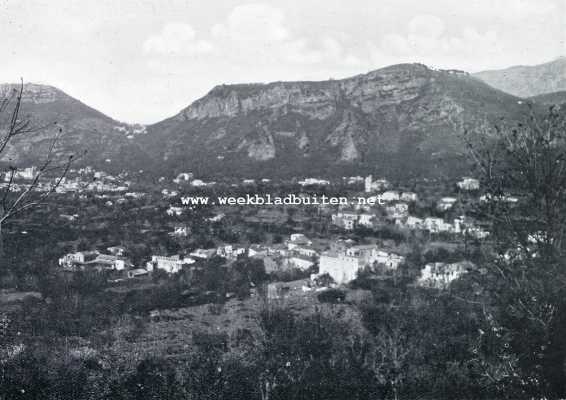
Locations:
column 318, row 261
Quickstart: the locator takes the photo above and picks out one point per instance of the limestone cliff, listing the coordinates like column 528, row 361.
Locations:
column 368, row 120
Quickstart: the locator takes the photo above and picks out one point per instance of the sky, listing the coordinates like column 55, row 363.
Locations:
column 145, row 60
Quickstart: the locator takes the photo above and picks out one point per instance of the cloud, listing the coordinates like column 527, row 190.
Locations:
column 177, row 39
column 426, row 25
column 427, row 40
column 262, row 32
column 252, row 23
column 514, row 10
column 328, row 50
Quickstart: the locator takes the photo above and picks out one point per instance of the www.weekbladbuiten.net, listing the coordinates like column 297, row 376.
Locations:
column 290, row 199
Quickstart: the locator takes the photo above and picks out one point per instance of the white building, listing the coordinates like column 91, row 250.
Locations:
column 174, row 210
column 390, row 260
column 366, row 220
column 374, row 186
column 439, row 275
column 171, row 265
column 78, row 257
column 297, row 240
column 183, row 177
column 340, row 267
column 314, row 181
column 469, row 184
column 94, row 260
column 352, row 180
column 180, row 231
column 136, row 273
column 198, row 183
column 397, row 210
column 446, row 203
column 302, row 263
column 436, row 225
column 509, row 199
column 305, row 251
column 217, row 217
column 227, row 251
column 414, row 222
column 390, row 195
column 343, row 266
column 203, row 253
column 344, row 223
column 345, row 220
column 28, row 173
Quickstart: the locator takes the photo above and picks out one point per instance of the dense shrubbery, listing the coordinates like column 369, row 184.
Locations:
column 400, row 351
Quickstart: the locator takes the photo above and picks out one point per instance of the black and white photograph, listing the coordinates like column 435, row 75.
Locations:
column 282, row 200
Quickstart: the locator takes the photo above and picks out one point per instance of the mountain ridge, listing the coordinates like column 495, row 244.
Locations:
column 404, row 119
column 528, row 80
column 330, row 123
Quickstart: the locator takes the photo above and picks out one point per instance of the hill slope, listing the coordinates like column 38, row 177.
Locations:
column 528, row 81
column 404, row 120
column 557, row 98
column 83, row 129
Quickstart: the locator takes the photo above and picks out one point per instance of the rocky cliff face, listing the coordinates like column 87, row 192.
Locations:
column 402, row 114
column 32, row 93
column 318, row 100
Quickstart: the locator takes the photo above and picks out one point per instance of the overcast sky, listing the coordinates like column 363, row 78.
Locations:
column 144, row 60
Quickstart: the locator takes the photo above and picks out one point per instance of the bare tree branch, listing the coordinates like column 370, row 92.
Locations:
column 13, row 202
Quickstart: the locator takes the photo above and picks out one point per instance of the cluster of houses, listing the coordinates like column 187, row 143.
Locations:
column 28, row 174
column 18, row 180
column 460, row 225
column 95, row 260
column 88, row 179
column 349, row 220
column 82, row 180
column 396, row 206
column 342, row 261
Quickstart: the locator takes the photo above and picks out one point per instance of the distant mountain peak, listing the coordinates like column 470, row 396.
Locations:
column 528, row 81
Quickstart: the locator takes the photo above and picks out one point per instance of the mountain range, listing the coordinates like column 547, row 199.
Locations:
column 401, row 121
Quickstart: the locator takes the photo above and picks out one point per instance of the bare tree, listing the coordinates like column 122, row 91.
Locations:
column 17, row 197
column 523, row 171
